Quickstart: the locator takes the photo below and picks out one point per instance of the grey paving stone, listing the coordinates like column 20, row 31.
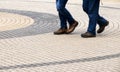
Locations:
column 44, row 23
column 36, row 49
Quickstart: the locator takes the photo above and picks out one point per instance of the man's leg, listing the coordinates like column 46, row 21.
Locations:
column 85, row 6
column 63, row 21
column 63, row 11
column 62, row 18
column 93, row 15
column 66, row 14
column 93, row 7
column 102, row 24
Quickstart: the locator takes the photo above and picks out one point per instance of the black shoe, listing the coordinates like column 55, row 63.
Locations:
column 87, row 35
column 60, row 31
column 102, row 28
column 72, row 27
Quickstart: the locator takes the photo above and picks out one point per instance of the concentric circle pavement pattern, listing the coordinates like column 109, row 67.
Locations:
column 10, row 21
column 32, row 23
column 32, row 47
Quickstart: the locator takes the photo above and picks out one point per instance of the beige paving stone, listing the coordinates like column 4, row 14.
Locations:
column 65, row 53
column 9, row 21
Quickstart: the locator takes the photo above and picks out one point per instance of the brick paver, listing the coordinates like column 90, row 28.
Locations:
column 30, row 46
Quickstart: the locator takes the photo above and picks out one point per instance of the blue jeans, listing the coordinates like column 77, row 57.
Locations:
column 91, row 7
column 64, row 14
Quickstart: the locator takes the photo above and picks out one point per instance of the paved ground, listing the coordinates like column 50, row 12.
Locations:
column 27, row 43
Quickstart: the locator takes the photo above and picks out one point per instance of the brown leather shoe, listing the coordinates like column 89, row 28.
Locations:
column 102, row 28
column 87, row 35
column 60, row 31
column 72, row 27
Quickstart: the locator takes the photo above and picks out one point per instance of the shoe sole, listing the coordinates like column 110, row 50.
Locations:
column 88, row 36
column 59, row 33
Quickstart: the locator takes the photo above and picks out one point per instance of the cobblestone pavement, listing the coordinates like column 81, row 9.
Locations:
column 27, row 43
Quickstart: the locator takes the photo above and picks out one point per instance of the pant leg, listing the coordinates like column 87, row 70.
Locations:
column 63, row 22
column 93, row 15
column 85, row 5
column 101, row 21
column 63, row 11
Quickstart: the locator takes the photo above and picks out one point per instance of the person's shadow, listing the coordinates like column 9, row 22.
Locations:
column 43, row 23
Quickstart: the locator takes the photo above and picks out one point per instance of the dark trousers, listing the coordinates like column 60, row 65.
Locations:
column 64, row 14
column 91, row 7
